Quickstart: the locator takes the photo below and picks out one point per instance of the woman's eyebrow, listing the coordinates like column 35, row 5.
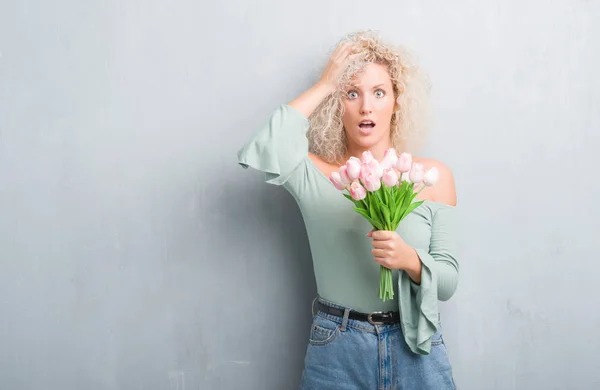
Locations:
column 356, row 86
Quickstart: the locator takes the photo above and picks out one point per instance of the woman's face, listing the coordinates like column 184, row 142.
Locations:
column 369, row 104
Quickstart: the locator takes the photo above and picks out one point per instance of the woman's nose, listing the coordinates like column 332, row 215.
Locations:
column 365, row 107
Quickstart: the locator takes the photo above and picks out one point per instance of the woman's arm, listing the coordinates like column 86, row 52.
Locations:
column 445, row 192
column 309, row 100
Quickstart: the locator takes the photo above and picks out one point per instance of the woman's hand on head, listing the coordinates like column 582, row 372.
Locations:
column 339, row 60
column 309, row 100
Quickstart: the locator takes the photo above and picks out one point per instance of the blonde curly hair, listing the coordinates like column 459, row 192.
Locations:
column 410, row 122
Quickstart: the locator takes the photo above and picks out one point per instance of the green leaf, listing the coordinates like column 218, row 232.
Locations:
column 386, row 216
column 401, row 193
column 376, row 225
column 361, row 209
column 397, row 217
column 350, row 198
column 362, row 212
column 412, row 207
column 363, row 204
column 367, row 202
column 386, row 193
column 373, row 208
column 373, row 222
column 403, row 186
column 392, row 201
column 377, row 203
column 401, row 203
column 408, row 195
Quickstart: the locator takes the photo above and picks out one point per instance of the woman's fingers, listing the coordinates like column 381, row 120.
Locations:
column 338, row 62
column 344, row 51
column 379, row 252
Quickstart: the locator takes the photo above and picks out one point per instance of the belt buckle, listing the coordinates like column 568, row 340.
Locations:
column 370, row 318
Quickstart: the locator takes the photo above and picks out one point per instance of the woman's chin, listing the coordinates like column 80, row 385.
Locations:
column 365, row 141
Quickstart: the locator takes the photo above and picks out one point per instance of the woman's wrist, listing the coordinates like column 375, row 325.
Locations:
column 325, row 87
column 310, row 99
column 414, row 265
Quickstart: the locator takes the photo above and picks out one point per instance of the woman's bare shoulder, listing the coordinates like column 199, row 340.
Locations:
column 445, row 189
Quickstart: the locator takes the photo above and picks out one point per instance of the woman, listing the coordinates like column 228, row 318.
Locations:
column 371, row 97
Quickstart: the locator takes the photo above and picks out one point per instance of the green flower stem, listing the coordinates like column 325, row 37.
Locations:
column 384, row 209
column 386, row 286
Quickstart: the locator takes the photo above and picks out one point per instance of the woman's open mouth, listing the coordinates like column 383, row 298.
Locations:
column 366, row 126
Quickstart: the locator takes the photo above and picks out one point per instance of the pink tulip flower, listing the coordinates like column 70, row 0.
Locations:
column 431, row 177
column 416, row 173
column 389, row 159
column 404, row 177
column 345, row 180
column 353, row 166
column 357, row 191
column 337, row 180
column 367, row 157
column 390, row 178
column 372, row 182
column 404, row 162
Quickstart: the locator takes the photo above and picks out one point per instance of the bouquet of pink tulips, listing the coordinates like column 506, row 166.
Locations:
column 383, row 193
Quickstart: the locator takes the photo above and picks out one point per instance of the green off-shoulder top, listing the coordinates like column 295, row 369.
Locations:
column 345, row 271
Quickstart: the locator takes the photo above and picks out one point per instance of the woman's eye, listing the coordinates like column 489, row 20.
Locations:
column 379, row 93
column 352, row 94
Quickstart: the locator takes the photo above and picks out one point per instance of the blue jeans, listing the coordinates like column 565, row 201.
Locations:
column 354, row 354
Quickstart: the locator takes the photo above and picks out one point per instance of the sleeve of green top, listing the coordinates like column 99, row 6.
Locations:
column 439, row 280
column 279, row 147
column 441, row 258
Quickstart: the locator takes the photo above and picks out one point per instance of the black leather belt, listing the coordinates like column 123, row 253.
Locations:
column 375, row 318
